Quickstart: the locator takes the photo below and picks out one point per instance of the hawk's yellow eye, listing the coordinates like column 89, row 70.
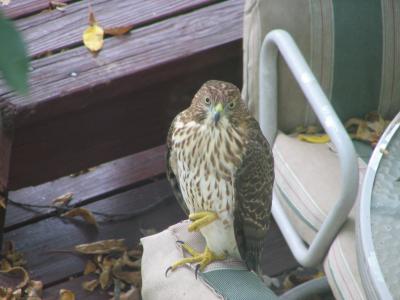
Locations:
column 231, row 105
column 207, row 100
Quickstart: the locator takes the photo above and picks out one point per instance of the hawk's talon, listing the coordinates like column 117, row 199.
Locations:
column 167, row 270
column 201, row 219
column 196, row 271
column 203, row 259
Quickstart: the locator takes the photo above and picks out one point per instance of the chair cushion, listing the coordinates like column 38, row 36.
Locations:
column 228, row 279
column 332, row 36
column 307, row 184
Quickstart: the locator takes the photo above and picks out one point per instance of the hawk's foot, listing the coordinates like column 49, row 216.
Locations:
column 203, row 259
column 201, row 219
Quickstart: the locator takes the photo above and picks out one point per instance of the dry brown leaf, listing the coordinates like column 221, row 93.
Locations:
column 34, row 290
column 102, row 247
column 5, row 293
column 90, row 267
column 93, row 36
column 67, row 295
column 117, row 31
column 90, row 285
column 126, row 260
column 83, row 213
column 133, row 278
column 5, row 265
column 3, row 204
column 105, row 278
column 132, row 294
column 63, row 199
column 16, row 270
column 17, row 294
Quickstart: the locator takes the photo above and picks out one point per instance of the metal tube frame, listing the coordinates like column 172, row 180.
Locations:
column 280, row 41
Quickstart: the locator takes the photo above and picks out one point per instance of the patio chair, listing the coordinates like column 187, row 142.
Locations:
column 351, row 49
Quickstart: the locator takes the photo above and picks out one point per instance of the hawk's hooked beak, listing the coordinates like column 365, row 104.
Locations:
column 217, row 112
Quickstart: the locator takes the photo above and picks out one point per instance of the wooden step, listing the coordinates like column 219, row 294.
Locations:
column 83, row 110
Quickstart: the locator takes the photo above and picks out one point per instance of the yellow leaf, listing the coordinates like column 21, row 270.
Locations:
column 63, row 199
column 81, row 212
column 93, row 38
column 90, row 268
column 90, row 285
column 102, row 247
column 121, row 30
column 66, row 295
column 315, row 139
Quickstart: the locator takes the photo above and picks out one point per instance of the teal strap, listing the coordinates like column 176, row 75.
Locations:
column 238, row 285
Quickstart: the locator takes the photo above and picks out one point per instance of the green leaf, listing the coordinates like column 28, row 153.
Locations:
column 13, row 56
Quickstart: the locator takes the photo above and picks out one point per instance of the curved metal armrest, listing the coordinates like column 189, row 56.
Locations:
column 279, row 40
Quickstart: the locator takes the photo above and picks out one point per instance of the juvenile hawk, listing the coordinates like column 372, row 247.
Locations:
column 221, row 169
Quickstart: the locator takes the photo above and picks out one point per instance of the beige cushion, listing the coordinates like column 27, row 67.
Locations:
column 159, row 252
column 227, row 279
column 307, row 185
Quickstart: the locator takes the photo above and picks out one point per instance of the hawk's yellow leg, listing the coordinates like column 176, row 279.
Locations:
column 203, row 259
column 201, row 219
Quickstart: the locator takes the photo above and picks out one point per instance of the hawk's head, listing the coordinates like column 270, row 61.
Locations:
column 218, row 102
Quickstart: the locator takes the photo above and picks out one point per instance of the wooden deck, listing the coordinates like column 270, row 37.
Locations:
column 126, row 185
column 112, row 109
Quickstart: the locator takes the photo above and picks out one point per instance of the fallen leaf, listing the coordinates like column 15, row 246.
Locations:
column 16, row 270
column 34, row 290
column 93, row 36
column 3, row 204
column 314, row 138
column 17, row 294
column 105, row 278
column 132, row 294
column 5, row 2
column 90, row 267
column 121, row 30
column 102, row 247
column 105, row 275
column 127, row 261
column 133, row 278
column 90, row 285
column 66, row 295
column 81, row 212
column 5, row 265
column 63, row 199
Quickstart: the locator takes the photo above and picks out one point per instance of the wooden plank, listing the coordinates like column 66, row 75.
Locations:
column 36, row 240
column 112, row 177
column 55, row 30
column 129, row 123
column 131, row 57
column 20, row 8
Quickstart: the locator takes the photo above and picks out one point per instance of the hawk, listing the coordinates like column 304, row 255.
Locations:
column 220, row 167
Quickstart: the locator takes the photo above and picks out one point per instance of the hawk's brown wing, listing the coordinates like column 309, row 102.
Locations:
column 173, row 180
column 253, row 197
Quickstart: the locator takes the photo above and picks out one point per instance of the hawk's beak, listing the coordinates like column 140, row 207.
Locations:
column 217, row 112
